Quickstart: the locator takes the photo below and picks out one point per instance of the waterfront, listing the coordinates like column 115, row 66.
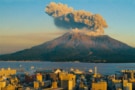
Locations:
column 103, row 68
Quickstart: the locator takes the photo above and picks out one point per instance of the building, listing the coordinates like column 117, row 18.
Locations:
column 2, row 84
column 130, row 76
column 96, row 75
column 77, row 71
column 67, row 81
column 36, row 84
column 54, row 84
column 102, row 85
column 127, row 85
column 56, row 71
column 82, row 86
column 9, row 87
column 39, row 77
column 7, row 72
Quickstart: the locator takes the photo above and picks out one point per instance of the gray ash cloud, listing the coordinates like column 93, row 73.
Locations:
column 68, row 18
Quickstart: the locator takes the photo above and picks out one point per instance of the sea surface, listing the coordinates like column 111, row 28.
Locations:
column 103, row 68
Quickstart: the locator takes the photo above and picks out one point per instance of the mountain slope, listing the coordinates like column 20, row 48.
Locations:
column 77, row 46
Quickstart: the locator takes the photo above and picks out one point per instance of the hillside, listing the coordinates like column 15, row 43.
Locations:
column 77, row 46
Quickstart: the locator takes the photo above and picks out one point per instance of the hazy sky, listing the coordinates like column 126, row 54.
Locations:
column 24, row 23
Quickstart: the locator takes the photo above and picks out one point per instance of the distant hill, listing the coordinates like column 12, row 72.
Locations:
column 77, row 46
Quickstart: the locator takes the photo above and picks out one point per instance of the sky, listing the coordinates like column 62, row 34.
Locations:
column 24, row 23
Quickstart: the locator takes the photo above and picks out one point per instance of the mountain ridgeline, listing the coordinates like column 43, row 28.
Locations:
column 77, row 46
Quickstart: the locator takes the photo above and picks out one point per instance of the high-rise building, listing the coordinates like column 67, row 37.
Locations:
column 67, row 81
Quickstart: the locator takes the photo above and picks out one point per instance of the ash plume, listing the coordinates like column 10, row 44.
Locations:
column 68, row 18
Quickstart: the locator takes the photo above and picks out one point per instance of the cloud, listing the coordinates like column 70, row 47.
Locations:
column 68, row 18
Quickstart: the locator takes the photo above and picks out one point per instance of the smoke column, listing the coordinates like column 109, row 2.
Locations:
column 68, row 18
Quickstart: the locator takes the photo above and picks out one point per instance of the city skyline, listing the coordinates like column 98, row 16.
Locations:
column 24, row 23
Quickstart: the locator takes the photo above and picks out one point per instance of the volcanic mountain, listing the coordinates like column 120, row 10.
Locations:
column 77, row 46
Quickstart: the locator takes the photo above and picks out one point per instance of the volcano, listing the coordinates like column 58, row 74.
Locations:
column 77, row 46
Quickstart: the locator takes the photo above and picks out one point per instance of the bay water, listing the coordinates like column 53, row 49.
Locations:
column 103, row 68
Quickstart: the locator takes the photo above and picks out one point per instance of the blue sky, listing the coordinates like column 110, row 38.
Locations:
column 24, row 23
